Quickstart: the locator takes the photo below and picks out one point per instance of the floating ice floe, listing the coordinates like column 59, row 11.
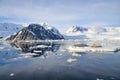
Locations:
column 11, row 74
column 99, row 79
column 75, row 54
column 1, row 48
column 37, row 51
column 70, row 60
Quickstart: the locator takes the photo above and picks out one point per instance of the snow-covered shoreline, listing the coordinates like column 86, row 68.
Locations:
column 89, row 49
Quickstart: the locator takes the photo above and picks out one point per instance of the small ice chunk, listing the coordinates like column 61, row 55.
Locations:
column 1, row 48
column 112, row 78
column 74, row 54
column 11, row 74
column 71, row 60
column 99, row 79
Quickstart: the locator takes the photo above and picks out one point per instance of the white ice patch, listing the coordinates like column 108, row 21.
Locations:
column 20, row 32
column 11, row 74
column 25, row 25
column 31, row 32
column 74, row 54
column 70, row 60
column 29, row 54
column 14, row 33
column 1, row 48
column 99, row 79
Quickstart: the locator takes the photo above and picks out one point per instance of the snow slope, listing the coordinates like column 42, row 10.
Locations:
column 51, row 28
column 7, row 29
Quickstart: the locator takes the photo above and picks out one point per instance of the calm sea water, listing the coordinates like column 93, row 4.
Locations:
column 57, row 64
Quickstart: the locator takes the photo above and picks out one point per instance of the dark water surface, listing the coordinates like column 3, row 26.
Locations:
column 58, row 64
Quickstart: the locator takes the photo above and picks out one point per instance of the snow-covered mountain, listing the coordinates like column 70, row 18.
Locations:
column 94, row 32
column 37, row 32
column 75, row 32
column 46, row 31
column 49, row 27
column 76, row 29
column 7, row 29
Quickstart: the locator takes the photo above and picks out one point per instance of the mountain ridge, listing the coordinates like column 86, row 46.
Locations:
column 36, row 32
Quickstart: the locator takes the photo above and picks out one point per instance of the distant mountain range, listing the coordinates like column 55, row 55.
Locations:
column 45, row 31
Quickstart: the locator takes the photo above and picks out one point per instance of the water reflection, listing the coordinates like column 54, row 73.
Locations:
column 38, row 48
column 68, row 66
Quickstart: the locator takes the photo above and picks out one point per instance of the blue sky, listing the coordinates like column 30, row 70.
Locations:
column 61, row 13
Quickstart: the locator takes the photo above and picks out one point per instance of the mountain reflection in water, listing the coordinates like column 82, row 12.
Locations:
column 52, row 61
column 37, row 47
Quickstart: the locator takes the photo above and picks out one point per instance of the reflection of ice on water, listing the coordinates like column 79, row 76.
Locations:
column 28, row 54
column 64, row 62
column 47, row 48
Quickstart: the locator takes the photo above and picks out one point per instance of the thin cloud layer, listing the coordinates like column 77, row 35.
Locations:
column 61, row 12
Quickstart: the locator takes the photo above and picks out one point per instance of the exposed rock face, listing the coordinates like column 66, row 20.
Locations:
column 36, row 32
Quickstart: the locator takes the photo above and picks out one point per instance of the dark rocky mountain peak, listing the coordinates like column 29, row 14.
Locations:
column 36, row 32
